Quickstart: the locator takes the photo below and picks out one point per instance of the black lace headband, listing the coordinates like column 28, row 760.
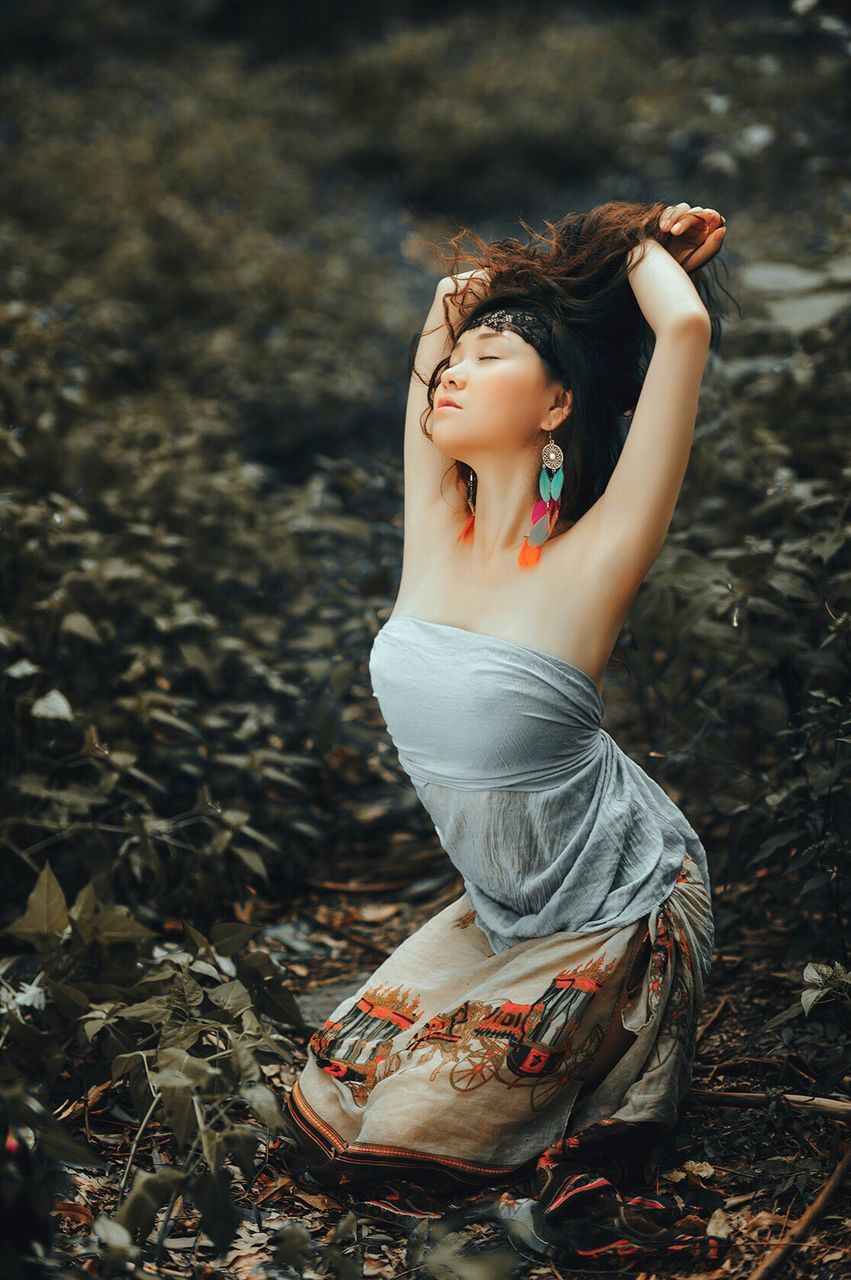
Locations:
column 531, row 325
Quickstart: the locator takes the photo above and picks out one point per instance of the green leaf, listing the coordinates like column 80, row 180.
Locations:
column 811, row 996
column 70, row 1001
column 219, row 1218
column 154, row 1011
column 188, row 992
column 124, row 1062
column 180, row 1113
column 213, row 1146
column 46, row 915
column 793, row 1011
column 173, row 1063
column 229, row 936
column 83, row 911
column 150, row 1191
column 118, row 1248
column 197, row 939
column 243, row 1060
column 264, row 1103
column 182, row 1038
column 241, row 1141
column 256, row 966
column 57, row 1143
column 252, row 860
column 116, row 925
column 817, row 974
column 279, row 1002
column 292, row 1246
column 231, row 996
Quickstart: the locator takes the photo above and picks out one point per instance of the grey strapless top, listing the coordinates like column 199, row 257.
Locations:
column 551, row 825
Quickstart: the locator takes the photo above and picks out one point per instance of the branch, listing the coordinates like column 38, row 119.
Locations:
column 801, row 1225
column 834, row 1107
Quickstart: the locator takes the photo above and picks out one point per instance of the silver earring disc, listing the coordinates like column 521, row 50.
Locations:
column 552, row 455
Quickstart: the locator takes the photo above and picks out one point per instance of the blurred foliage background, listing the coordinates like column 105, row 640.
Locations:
column 214, row 253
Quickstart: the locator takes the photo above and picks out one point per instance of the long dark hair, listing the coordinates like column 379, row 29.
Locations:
column 577, row 274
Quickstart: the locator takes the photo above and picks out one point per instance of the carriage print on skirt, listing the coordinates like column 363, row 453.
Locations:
column 518, row 1044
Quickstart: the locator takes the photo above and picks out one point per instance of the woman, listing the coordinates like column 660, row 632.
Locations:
column 541, row 1026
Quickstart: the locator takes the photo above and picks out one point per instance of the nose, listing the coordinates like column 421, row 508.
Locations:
column 449, row 376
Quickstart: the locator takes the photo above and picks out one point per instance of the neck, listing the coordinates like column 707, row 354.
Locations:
column 504, row 504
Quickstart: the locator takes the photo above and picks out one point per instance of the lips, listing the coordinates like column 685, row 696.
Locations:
column 445, row 401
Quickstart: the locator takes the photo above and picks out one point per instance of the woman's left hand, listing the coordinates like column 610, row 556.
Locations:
column 691, row 234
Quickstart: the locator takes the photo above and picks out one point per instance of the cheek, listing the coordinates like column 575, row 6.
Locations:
column 507, row 401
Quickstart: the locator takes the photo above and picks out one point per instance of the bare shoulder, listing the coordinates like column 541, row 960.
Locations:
column 602, row 585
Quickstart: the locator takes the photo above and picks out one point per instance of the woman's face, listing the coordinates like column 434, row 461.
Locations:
column 504, row 390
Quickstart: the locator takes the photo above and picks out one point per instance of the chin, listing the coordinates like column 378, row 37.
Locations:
column 447, row 441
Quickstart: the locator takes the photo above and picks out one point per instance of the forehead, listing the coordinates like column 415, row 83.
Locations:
column 482, row 333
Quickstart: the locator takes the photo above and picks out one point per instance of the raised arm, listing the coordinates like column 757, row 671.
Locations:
column 635, row 511
column 424, row 464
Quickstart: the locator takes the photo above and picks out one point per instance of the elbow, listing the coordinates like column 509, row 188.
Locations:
column 693, row 323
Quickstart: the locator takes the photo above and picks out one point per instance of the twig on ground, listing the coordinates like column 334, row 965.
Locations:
column 122, row 1186
column 716, row 1012
column 801, row 1225
column 834, row 1107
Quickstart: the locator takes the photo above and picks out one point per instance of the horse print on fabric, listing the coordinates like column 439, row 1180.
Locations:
column 518, row 1044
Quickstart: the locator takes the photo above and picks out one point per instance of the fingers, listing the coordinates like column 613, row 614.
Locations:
column 687, row 219
column 679, row 216
column 669, row 215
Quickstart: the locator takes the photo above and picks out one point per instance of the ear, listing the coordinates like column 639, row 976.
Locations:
column 560, row 410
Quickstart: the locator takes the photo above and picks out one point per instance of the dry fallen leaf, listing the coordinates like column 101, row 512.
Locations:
column 765, row 1220
column 317, row 1201
column 70, row 1209
column 375, row 912
column 719, row 1224
column 279, row 1184
column 378, row 1267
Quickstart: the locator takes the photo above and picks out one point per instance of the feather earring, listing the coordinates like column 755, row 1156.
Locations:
column 546, row 509
column 467, row 532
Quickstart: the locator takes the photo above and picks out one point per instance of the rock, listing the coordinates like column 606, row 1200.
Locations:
column 781, row 277
column 800, row 313
column 318, row 1003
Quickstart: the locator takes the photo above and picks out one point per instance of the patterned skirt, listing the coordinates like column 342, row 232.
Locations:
column 453, row 1071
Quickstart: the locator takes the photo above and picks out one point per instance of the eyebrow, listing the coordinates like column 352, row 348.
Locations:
column 482, row 335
